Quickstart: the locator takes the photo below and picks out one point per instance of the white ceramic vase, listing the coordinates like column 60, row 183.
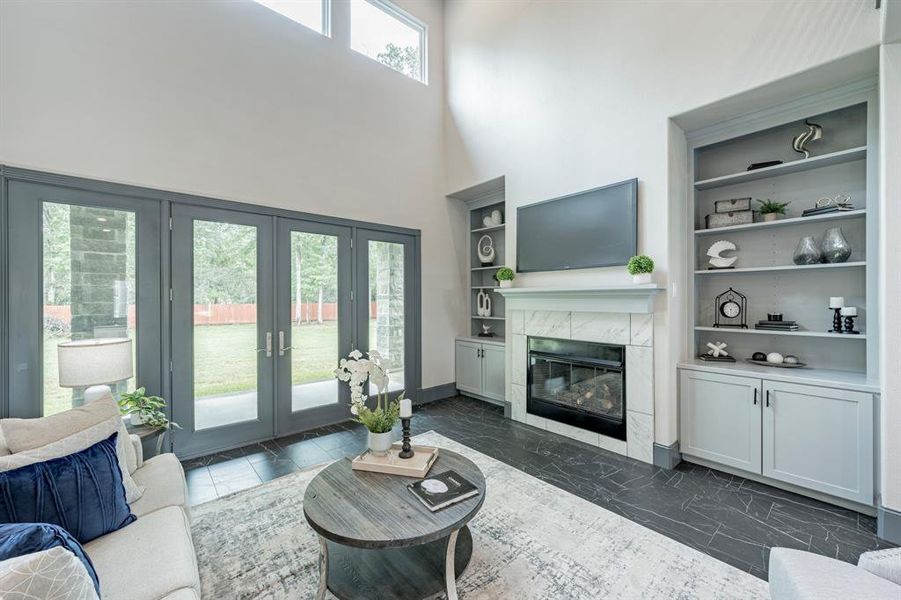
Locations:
column 135, row 419
column 380, row 443
column 506, row 283
column 642, row 278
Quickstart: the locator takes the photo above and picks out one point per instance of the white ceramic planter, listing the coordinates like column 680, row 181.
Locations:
column 380, row 443
column 136, row 419
column 642, row 278
column 506, row 283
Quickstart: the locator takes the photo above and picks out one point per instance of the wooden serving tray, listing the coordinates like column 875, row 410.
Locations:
column 417, row 466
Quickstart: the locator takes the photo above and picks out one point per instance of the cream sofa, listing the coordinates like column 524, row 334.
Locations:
column 800, row 575
column 153, row 557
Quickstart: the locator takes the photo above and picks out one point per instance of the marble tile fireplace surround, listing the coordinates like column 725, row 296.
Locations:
column 620, row 316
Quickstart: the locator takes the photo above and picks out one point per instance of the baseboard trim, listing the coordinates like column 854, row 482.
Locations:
column 667, row 457
column 438, row 392
column 888, row 524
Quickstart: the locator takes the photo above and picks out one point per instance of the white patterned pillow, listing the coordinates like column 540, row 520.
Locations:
column 76, row 443
column 55, row 573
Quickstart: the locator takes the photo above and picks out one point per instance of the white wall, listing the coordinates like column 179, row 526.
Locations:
column 563, row 96
column 231, row 100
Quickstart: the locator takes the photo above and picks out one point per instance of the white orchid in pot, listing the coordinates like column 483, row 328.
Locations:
column 357, row 370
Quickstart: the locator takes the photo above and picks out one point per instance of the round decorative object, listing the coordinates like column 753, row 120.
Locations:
column 807, row 251
column 791, row 359
column 487, row 222
column 775, row 358
column 497, row 218
column 434, row 486
column 717, row 261
column 730, row 309
column 836, row 248
column 758, row 356
column 486, row 250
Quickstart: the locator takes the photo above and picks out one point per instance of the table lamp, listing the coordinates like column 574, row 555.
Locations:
column 93, row 364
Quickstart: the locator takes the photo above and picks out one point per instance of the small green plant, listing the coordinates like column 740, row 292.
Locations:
column 771, row 207
column 151, row 409
column 382, row 418
column 640, row 264
column 505, row 274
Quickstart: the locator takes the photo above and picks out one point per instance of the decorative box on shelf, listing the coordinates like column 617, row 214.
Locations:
column 739, row 217
column 732, row 205
column 417, row 465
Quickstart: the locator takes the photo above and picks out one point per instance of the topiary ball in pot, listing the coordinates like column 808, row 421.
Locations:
column 641, row 267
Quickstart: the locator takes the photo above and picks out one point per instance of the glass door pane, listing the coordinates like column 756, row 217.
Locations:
column 314, row 316
column 88, row 270
column 225, row 323
column 386, row 316
column 387, row 324
column 222, row 337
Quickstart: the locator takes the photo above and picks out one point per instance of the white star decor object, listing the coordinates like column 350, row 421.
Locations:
column 717, row 349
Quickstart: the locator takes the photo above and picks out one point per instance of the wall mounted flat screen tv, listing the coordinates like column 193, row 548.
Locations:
column 595, row 228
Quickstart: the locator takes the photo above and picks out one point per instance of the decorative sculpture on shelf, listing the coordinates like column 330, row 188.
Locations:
column 799, row 143
column 485, row 250
column 721, row 262
column 483, row 304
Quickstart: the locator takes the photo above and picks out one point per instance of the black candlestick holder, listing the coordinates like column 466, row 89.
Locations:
column 837, row 321
column 849, row 326
column 406, row 450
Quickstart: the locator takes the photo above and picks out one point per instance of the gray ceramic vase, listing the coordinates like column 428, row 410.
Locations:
column 836, row 248
column 807, row 252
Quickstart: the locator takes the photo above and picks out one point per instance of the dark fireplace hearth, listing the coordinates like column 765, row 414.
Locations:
column 582, row 384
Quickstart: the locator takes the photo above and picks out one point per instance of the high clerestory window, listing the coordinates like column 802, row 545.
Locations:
column 309, row 13
column 389, row 35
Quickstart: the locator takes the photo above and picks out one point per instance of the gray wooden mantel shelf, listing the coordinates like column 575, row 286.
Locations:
column 614, row 298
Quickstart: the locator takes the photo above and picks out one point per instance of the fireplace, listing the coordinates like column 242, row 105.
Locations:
column 582, row 384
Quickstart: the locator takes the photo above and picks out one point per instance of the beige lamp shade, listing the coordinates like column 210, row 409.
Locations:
column 85, row 363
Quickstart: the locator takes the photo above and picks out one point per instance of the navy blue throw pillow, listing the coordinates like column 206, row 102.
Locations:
column 19, row 539
column 82, row 493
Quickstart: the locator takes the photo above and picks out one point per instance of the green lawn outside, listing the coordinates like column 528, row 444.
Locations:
column 226, row 359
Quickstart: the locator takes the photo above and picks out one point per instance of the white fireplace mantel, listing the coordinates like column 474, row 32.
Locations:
column 617, row 298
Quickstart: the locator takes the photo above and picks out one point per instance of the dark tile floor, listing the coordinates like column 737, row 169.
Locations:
column 727, row 517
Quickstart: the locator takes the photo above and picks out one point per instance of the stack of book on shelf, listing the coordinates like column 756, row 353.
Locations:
column 777, row 325
column 822, row 210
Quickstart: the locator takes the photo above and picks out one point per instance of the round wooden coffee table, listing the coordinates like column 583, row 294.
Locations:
column 377, row 540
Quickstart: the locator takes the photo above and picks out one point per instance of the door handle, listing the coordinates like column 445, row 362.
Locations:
column 281, row 344
column 755, row 396
column 268, row 348
column 768, row 398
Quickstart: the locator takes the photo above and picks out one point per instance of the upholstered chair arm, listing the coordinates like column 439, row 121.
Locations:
column 139, row 448
column 884, row 563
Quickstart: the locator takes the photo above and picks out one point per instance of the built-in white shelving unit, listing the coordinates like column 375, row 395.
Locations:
column 840, row 163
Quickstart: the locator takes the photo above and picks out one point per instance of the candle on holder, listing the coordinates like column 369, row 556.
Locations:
column 406, row 408
column 836, row 302
column 849, row 311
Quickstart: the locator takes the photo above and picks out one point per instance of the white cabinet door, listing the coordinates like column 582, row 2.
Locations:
column 468, row 361
column 493, row 371
column 819, row 438
column 721, row 418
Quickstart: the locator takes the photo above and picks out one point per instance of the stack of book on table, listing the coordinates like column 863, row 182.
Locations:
column 777, row 325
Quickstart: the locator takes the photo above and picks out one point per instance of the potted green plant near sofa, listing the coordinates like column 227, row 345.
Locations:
column 505, row 276
column 771, row 209
column 145, row 410
column 640, row 268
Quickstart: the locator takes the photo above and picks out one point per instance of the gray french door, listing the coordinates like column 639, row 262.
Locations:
column 223, row 342
column 314, row 322
column 83, row 265
column 387, row 290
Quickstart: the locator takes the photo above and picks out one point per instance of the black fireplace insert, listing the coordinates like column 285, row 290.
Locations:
column 582, row 384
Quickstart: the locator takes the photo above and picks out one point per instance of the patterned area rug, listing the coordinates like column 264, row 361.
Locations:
column 531, row 540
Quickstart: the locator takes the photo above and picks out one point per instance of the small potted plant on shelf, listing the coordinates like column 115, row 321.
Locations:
column 640, row 267
column 771, row 209
column 505, row 276
column 357, row 370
